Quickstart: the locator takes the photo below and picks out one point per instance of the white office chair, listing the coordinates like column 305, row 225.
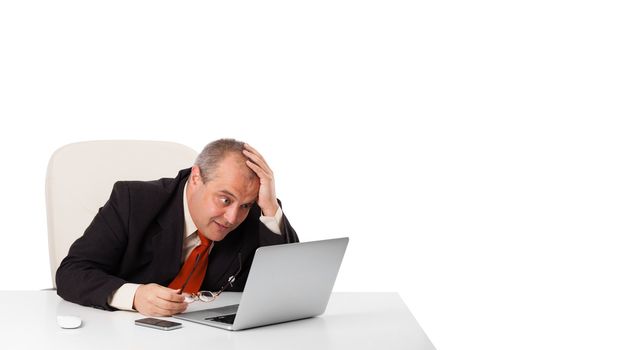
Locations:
column 80, row 177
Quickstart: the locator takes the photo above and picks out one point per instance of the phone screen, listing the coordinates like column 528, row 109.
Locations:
column 157, row 323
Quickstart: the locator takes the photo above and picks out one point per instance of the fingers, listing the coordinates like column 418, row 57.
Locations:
column 155, row 300
column 263, row 176
column 169, row 307
column 256, row 158
column 170, row 294
column 252, row 150
column 267, row 191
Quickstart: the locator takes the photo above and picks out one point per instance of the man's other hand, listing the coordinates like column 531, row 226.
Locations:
column 267, row 192
column 155, row 300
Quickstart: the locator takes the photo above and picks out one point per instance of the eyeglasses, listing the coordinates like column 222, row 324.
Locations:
column 207, row 296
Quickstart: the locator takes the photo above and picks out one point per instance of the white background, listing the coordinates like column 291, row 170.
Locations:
column 480, row 154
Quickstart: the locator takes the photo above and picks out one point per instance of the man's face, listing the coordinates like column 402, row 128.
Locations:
column 221, row 204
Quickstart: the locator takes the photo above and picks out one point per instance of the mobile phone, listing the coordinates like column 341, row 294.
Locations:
column 157, row 323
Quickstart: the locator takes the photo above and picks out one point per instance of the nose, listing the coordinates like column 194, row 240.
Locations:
column 231, row 215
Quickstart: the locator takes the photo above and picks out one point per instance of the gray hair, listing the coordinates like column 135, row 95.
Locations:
column 213, row 153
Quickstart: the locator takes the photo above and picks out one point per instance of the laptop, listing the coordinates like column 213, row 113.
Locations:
column 286, row 282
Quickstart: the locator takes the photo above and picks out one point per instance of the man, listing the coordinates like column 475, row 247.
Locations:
column 155, row 242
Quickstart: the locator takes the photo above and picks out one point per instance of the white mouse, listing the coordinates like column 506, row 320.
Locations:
column 68, row 322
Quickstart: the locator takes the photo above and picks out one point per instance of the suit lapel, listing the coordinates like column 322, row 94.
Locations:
column 167, row 243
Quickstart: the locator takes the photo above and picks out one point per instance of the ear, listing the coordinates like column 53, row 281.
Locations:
column 195, row 175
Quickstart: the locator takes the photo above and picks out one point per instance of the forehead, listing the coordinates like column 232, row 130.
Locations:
column 234, row 178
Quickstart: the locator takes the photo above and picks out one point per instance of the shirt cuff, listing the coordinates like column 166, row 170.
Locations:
column 124, row 297
column 273, row 222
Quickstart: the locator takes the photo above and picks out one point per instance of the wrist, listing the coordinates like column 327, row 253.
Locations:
column 269, row 210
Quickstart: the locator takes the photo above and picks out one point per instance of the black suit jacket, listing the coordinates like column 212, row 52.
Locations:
column 137, row 236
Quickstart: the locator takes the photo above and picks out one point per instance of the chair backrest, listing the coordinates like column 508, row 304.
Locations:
column 80, row 177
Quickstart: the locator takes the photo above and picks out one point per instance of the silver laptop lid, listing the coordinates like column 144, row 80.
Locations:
column 289, row 282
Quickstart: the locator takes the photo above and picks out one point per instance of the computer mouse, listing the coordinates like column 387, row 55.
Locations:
column 68, row 322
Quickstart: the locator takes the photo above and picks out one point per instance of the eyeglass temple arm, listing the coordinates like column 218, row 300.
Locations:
column 233, row 277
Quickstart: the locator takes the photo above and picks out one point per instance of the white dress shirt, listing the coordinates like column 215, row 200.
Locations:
column 123, row 297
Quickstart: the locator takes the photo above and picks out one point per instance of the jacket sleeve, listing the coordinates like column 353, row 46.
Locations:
column 87, row 275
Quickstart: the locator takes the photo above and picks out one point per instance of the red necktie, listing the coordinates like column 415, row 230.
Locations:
column 193, row 269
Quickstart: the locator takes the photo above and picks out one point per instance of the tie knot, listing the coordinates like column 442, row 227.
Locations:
column 204, row 240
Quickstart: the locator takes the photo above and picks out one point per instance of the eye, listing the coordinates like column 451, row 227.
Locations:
column 246, row 206
column 225, row 200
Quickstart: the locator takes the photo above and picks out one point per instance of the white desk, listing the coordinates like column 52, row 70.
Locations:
column 352, row 321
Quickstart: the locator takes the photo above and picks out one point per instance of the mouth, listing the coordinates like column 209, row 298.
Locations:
column 222, row 227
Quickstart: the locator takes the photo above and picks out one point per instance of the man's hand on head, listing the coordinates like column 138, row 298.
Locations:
column 155, row 300
column 267, row 191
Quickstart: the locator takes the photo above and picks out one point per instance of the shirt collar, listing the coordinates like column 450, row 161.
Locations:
column 189, row 226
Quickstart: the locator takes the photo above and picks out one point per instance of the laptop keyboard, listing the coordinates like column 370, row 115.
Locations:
column 225, row 310
column 229, row 319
